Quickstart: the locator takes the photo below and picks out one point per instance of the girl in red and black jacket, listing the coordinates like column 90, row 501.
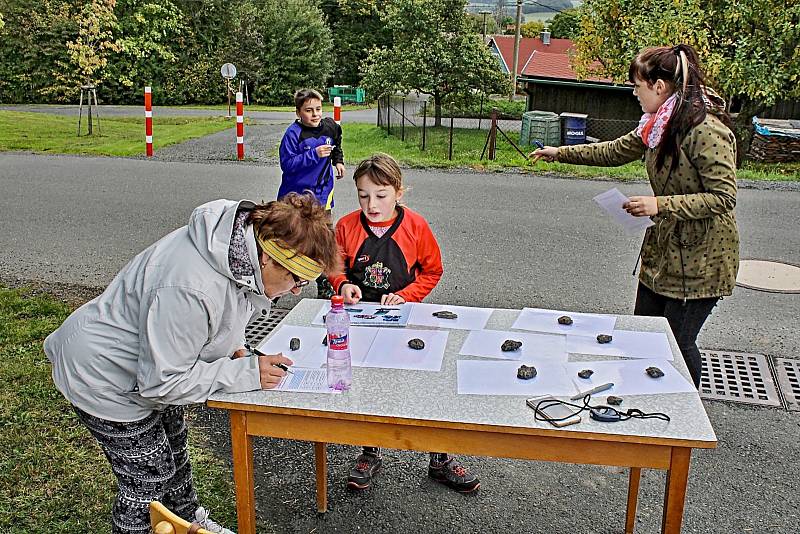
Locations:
column 391, row 256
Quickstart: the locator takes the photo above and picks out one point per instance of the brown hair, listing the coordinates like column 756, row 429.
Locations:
column 381, row 169
column 303, row 95
column 299, row 222
column 679, row 67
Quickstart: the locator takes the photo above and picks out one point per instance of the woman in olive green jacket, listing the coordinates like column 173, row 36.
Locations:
column 691, row 256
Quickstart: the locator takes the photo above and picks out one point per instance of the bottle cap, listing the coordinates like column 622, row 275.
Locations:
column 337, row 300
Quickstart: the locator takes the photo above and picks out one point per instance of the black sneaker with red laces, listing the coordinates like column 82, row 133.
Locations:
column 454, row 475
column 367, row 466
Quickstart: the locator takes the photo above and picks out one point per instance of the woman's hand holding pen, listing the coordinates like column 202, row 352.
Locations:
column 272, row 368
column 548, row 153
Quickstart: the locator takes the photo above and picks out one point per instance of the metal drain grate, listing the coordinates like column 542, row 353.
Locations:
column 737, row 376
column 258, row 328
column 789, row 381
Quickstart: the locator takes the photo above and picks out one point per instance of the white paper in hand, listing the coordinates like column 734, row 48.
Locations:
column 611, row 201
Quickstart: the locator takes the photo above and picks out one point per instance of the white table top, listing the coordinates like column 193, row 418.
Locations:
column 426, row 395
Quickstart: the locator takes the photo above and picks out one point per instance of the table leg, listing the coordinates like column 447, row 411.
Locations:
column 243, row 473
column 633, row 498
column 321, row 457
column 675, row 491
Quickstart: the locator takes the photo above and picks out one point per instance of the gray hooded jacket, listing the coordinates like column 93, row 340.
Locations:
column 163, row 331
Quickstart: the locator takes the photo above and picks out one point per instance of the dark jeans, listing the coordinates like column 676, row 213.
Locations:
column 686, row 318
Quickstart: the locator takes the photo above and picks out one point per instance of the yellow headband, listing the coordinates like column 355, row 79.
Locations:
column 296, row 263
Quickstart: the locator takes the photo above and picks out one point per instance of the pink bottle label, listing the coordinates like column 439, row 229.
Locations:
column 337, row 342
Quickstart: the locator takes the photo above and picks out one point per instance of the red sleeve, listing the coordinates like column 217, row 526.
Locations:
column 349, row 236
column 429, row 259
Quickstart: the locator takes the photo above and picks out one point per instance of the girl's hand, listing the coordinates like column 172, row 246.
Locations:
column 392, row 299
column 351, row 293
column 641, row 206
column 548, row 153
column 271, row 376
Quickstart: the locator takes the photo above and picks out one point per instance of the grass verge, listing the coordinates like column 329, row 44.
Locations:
column 119, row 136
column 362, row 140
column 53, row 475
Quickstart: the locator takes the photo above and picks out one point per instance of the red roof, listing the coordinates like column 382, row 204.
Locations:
column 538, row 59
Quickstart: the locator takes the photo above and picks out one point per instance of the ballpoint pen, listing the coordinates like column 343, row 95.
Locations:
column 259, row 353
column 592, row 391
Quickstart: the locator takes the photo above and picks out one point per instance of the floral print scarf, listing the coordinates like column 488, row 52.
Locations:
column 653, row 125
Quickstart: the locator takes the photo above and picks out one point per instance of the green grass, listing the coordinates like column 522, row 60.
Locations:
column 362, row 140
column 43, row 132
column 53, row 475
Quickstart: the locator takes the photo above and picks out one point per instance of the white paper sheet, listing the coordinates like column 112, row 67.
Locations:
column 624, row 343
column 536, row 347
column 469, row 318
column 583, row 324
column 306, row 381
column 629, row 377
column 390, row 350
column 312, row 352
column 482, row 377
column 370, row 314
column 611, row 201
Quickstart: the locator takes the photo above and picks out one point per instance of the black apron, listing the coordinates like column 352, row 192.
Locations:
column 380, row 267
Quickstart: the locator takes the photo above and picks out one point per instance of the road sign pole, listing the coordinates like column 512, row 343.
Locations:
column 239, row 126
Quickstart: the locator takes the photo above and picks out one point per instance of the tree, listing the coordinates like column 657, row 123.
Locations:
column 282, row 46
column 357, row 28
column 531, row 29
column 476, row 21
column 433, row 52
column 750, row 48
column 565, row 25
column 90, row 50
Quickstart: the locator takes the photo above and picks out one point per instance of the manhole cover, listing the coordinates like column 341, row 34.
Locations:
column 788, row 372
column 737, row 376
column 772, row 276
column 258, row 328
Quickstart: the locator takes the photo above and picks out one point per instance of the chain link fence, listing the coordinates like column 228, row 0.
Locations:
column 465, row 134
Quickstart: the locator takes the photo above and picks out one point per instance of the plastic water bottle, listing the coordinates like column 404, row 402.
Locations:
column 340, row 373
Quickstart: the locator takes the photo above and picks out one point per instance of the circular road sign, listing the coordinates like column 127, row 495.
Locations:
column 228, row 71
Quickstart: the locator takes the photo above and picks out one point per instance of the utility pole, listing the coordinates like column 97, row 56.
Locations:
column 516, row 52
column 484, row 13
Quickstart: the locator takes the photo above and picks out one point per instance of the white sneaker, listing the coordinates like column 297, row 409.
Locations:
column 201, row 516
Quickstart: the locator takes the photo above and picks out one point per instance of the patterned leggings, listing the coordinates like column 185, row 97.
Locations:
column 150, row 459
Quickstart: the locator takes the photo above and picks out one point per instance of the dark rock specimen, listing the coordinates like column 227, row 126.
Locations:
column 294, row 343
column 585, row 373
column 604, row 338
column 510, row 345
column 445, row 314
column 654, row 372
column 416, row 344
column 526, row 372
column 614, row 401
column 565, row 319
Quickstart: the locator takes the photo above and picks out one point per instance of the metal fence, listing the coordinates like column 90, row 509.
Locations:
column 468, row 134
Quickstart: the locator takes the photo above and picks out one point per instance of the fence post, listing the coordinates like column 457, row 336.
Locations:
column 239, row 125
column 403, row 120
column 493, row 134
column 424, row 121
column 148, row 121
column 388, row 115
column 450, row 149
column 480, row 113
column 337, row 110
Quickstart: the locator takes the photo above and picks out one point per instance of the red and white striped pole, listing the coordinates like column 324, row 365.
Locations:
column 148, row 121
column 337, row 110
column 239, row 126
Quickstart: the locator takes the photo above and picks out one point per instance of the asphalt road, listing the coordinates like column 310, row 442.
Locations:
column 508, row 240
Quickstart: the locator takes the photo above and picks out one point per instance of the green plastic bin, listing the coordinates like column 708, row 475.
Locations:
column 543, row 126
column 347, row 93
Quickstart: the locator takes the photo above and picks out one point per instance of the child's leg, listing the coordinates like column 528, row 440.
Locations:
column 368, row 464
column 449, row 471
